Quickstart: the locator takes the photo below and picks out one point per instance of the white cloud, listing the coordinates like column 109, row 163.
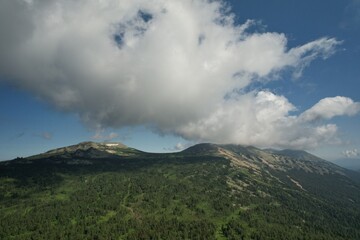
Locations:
column 178, row 147
column 353, row 153
column 328, row 108
column 302, row 56
column 176, row 66
column 261, row 119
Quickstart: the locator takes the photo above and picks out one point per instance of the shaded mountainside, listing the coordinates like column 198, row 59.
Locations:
column 208, row 191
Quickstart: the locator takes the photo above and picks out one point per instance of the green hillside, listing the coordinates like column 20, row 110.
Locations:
column 98, row 191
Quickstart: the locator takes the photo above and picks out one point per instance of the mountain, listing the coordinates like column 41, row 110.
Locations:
column 208, row 191
column 89, row 150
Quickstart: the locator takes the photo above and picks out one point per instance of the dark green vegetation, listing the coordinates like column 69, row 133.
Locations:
column 98, row 191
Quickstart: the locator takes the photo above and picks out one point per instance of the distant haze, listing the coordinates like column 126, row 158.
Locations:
column 349, row 163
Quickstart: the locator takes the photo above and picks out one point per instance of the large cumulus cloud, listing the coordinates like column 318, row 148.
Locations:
column 179, row 67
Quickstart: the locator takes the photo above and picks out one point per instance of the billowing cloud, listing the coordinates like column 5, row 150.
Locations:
column 179, row 67
column 352, row 153
column 262, row 119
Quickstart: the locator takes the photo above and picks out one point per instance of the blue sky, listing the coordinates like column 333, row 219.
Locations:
column 62, row 82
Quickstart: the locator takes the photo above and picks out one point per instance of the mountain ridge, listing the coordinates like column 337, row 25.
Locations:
column 249, row 157
column 208, row 191
column 195, row 149
column 88, row 149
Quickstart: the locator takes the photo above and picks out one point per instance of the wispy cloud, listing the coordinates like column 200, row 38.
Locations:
column 45, row 135
column 180, row 67
column 351, row 15
column 352, row 153
column 178, row 147
column 100, row 135
column 19, row 135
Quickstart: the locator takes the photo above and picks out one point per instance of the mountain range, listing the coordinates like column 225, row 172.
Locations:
column 208, row 191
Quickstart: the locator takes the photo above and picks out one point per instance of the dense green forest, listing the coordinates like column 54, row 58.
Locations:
column 171, row 196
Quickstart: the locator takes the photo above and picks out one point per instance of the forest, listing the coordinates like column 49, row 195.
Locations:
column 170, row 197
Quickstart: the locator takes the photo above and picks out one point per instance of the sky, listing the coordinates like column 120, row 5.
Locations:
column 162, row 75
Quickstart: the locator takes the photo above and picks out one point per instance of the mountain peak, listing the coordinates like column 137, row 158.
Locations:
column 87, row 145
column 202, row 148
column 87, row 149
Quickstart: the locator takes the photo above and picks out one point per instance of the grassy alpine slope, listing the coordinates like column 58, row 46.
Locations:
column 109, row 191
